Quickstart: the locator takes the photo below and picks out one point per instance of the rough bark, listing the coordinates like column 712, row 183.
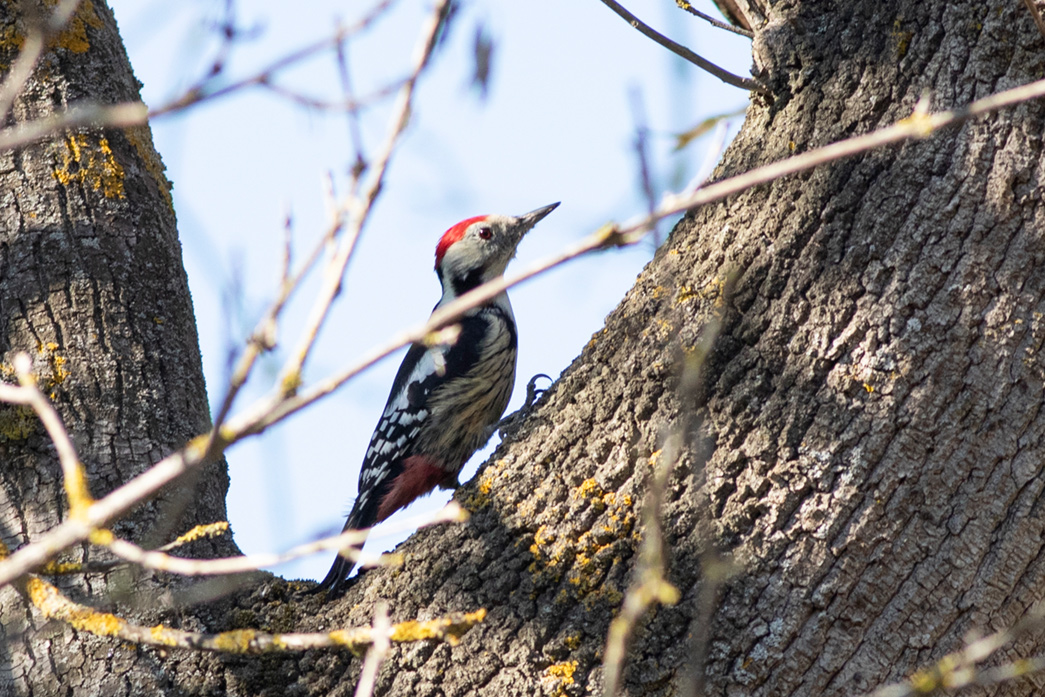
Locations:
column 871, row 410
column 93, row 288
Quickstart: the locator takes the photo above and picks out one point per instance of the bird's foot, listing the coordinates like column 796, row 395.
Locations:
column 533, row 393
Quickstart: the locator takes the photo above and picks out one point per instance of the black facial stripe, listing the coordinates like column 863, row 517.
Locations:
column 463, row 284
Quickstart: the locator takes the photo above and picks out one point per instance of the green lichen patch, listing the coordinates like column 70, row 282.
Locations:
column 17, row 422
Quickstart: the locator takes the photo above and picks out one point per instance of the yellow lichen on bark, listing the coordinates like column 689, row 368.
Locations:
column 47, row 599
column 561, row 674
column 140, row 138
column 74, row 36
column 101, row 537
column 55, row 568
column 585, row 561
column 91, row 165
column 11, row 39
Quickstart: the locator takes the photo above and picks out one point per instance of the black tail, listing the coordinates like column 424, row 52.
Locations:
column 336, row 580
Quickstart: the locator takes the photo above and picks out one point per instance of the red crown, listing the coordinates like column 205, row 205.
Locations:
column 453, row 235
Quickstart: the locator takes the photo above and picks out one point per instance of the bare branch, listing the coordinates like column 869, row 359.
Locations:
column 960, row 668
column 642, row 153
column 134, row 113
column 290, row 376
column 918, row 125
column 355, row 133
column 377, row 653
column 1035, row 13
column 680, row 50
column 347, row 104
column 714, row 22
column 200, row 532
column 196, row 533
column 335, row 270
column 117, row 115
column 650, row 585
column 73, row 473
column 50, row 601
column 202, row 91
column 343, row 542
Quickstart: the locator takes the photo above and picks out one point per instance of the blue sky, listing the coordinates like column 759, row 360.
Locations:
column 557, row 125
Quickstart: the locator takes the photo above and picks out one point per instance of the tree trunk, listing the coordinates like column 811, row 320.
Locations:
column 93, row 288
column 872, row 403
column 871, row 418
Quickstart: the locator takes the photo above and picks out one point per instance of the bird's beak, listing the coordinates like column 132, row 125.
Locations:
column 533, row 217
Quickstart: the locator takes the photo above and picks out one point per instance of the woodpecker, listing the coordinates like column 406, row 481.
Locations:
column 446, row 400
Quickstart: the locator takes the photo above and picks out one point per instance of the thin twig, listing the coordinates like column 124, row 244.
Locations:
column 117, row 115
column 1036, row 14
column 343, row 542
column 918, row 125
column 346, row 104
column 290, row 374
column 135, row 113
column 642, row 152
column 74, row 476
column 335, row 270
column 50, row 601
column 960, row 668
column 288, row 250
column 69, row 568
column 711, row 158
column 650, row 586
column 199, row 532
column 714, row 570
column 202, row 91
column 680, row 50
column 714, row 22
column 355, row 132
column 264, row 337
column 377, row 652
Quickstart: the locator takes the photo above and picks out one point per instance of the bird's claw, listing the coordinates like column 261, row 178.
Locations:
column 533, row 393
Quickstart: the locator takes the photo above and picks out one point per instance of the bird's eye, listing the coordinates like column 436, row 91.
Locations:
column 485, row 233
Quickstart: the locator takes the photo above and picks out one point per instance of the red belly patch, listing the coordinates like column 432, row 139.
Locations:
column 420, row 475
